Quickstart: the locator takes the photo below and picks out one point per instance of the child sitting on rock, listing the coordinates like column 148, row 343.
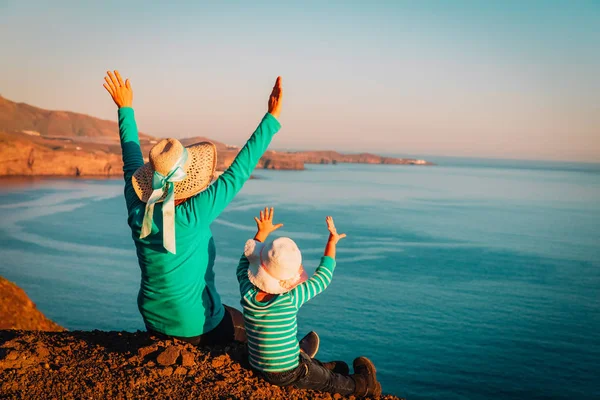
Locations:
column 273, row 286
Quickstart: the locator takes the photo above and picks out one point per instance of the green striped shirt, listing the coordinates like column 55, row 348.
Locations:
column 271, row 326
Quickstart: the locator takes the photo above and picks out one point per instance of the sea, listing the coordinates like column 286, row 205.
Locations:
column 472, row 279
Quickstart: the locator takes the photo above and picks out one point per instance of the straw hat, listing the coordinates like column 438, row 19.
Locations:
column 199, row 167
column 275, row 267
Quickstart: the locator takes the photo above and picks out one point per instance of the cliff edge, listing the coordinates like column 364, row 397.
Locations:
column 17, row 311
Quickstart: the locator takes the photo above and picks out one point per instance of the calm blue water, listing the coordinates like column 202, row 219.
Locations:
column 469, row 280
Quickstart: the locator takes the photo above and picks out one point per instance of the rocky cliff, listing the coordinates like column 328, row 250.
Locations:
column 25, row 155
column 123, row 365
column 118, row 365
column 21, row 155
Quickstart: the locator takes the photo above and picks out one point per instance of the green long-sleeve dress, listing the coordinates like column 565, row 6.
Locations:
column 177, row 294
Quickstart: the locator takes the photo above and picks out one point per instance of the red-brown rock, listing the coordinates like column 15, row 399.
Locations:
column 169, row 356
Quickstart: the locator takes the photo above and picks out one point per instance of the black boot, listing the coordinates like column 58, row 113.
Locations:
column 339, row 367
column 365, row 378
column 309, row 344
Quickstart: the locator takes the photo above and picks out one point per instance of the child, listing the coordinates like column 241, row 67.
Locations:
column 274, row 286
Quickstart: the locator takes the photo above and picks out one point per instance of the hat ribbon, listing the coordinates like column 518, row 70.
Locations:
column 160, row 184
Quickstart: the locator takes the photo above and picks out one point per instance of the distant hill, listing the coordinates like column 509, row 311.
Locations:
column 36, row 142
column 23, row 117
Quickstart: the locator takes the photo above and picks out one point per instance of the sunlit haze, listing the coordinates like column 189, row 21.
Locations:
column 509, row 79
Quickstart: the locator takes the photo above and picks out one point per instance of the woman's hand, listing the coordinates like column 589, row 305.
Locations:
column 265, row 224
column 333, row 235
column 120, row 91
column 275, row 99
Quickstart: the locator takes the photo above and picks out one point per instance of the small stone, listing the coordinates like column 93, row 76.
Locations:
column 41, row 351
column 11, row 344
column 219, row 361
column 12, row 355
column 187, row 359
column 180, row 371
column 144, row 351
column 169, row 356
column 150, row 364
column 337, row 396
column 166, row 372
column 46, row 366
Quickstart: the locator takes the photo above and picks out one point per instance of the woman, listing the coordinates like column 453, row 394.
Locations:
column 171, row 204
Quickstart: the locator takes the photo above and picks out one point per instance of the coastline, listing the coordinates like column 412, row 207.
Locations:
column 12, row 181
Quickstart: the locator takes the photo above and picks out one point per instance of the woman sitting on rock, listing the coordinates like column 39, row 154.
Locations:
column 171, row 204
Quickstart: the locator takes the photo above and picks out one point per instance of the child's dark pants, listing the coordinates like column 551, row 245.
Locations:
column 310, row 374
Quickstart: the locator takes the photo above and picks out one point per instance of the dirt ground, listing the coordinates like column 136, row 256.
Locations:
column 40, row 360
column 123, row 365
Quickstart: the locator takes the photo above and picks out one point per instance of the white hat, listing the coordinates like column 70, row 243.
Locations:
column 276, row 266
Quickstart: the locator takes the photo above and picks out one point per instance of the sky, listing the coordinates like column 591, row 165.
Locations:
column 506, row 79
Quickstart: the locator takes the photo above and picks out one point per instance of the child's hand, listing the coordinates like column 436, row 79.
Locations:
column 265, row 224
column 333, row 235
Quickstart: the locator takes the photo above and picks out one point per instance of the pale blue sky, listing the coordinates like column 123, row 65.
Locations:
column 513, row 79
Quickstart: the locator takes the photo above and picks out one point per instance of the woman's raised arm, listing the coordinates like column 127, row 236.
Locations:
column 207, row 205
column 122, row 95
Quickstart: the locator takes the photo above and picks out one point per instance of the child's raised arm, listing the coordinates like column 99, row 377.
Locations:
column 324, row 273
column 334, row 237
column 265, row 225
